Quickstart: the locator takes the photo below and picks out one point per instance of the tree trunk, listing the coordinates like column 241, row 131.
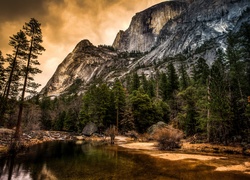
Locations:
column 7, row 87
column 19, row 120
column 117, row 118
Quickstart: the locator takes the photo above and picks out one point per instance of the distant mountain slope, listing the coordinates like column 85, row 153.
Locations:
column 193, row 28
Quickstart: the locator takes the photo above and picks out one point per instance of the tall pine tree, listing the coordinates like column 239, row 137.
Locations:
column 119, row 95
column 34, row 33
column 19, row 44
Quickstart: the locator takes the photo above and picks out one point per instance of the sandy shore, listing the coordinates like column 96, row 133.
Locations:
column 221, row 162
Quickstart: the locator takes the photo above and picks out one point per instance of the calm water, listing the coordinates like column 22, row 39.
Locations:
column 68, row 160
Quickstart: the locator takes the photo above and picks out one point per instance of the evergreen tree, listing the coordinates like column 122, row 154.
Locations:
column 142, row 110
column 173, row 83
column 69, row 123
column 220, row 120
column 157, row 82
column 163, row 86
column 2, row 75
column 236, row 83
column 135, row 82
column 244, row 45
column 99, row 106
column 189, row 115
column 151, row 88
column 119, row 95
column 34, row 33
column 19, row 44
column 144, row 83
column 200, row 72
column 46, row 117
column 184, row 78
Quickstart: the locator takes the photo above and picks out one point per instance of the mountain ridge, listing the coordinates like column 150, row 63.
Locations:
column 200, row 23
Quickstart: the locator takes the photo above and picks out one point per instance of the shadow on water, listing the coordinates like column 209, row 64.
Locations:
column 68, row 160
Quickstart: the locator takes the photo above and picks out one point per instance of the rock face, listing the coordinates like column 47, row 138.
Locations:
column 202, row 22
column 163, row 30
column 145, row 26
column 82, row 66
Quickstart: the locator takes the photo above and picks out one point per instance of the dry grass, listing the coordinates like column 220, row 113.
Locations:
column 168, row 138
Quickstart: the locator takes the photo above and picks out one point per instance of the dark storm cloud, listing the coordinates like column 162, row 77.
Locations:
column 12, row 10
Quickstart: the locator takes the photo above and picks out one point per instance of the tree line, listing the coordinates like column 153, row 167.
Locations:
column 208, row 100
column 200, row 99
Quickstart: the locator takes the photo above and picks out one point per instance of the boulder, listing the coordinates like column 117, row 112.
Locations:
column 89, row 129
column 152, row 129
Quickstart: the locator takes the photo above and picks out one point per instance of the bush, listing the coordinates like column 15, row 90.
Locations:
column 111, row 131
column 168, row 138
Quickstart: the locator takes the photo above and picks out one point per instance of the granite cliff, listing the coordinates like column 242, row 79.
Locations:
column 145, row 26
column 192, row 28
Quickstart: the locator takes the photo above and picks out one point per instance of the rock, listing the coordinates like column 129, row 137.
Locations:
column 89, row 129
column 145, row 26
column 152, row 129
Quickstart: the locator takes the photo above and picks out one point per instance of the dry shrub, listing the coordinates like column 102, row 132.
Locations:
column 168, row 138
column 132, row 134
column 112, row 132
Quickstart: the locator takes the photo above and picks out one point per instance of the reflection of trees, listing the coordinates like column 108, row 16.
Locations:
column 9, row 169
column 46, row 174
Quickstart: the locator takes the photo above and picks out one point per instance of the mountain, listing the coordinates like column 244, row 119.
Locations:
column 145, row 26
column 191, row 28
column 87, row 64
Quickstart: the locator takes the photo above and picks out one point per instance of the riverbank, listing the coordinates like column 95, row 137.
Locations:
column 37, row 137
column 217, row 156
column 204, row 154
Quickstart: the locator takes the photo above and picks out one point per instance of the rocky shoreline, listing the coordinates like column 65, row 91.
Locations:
column 40, row 136
column 36, row 137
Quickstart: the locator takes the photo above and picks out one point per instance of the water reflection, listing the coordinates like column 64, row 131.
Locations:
column 67, row 160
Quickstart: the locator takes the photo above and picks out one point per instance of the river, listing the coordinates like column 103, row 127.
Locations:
column 92, row 161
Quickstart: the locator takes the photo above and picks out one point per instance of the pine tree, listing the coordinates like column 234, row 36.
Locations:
column 220, row 120
column 2, row 75
column 244, row 44
column 144, row 82
column 142, row 110
column 135, row 82
column 189, row 115
column 184, row 78
column 163, row 86
column 173, row 83
column 119, row 95
column 34, row 33
column 2, row 85
column 19, row 44
column 151, row 88
column 236, row 77
column 200, row 72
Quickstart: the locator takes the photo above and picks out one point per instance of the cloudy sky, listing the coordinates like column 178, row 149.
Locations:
column 65, row 23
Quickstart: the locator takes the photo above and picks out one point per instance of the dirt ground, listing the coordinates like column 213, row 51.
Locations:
column 150, row 148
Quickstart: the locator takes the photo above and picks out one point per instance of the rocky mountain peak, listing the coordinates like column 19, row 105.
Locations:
column 193, row 28
column 146, row 25
column 82, row 45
